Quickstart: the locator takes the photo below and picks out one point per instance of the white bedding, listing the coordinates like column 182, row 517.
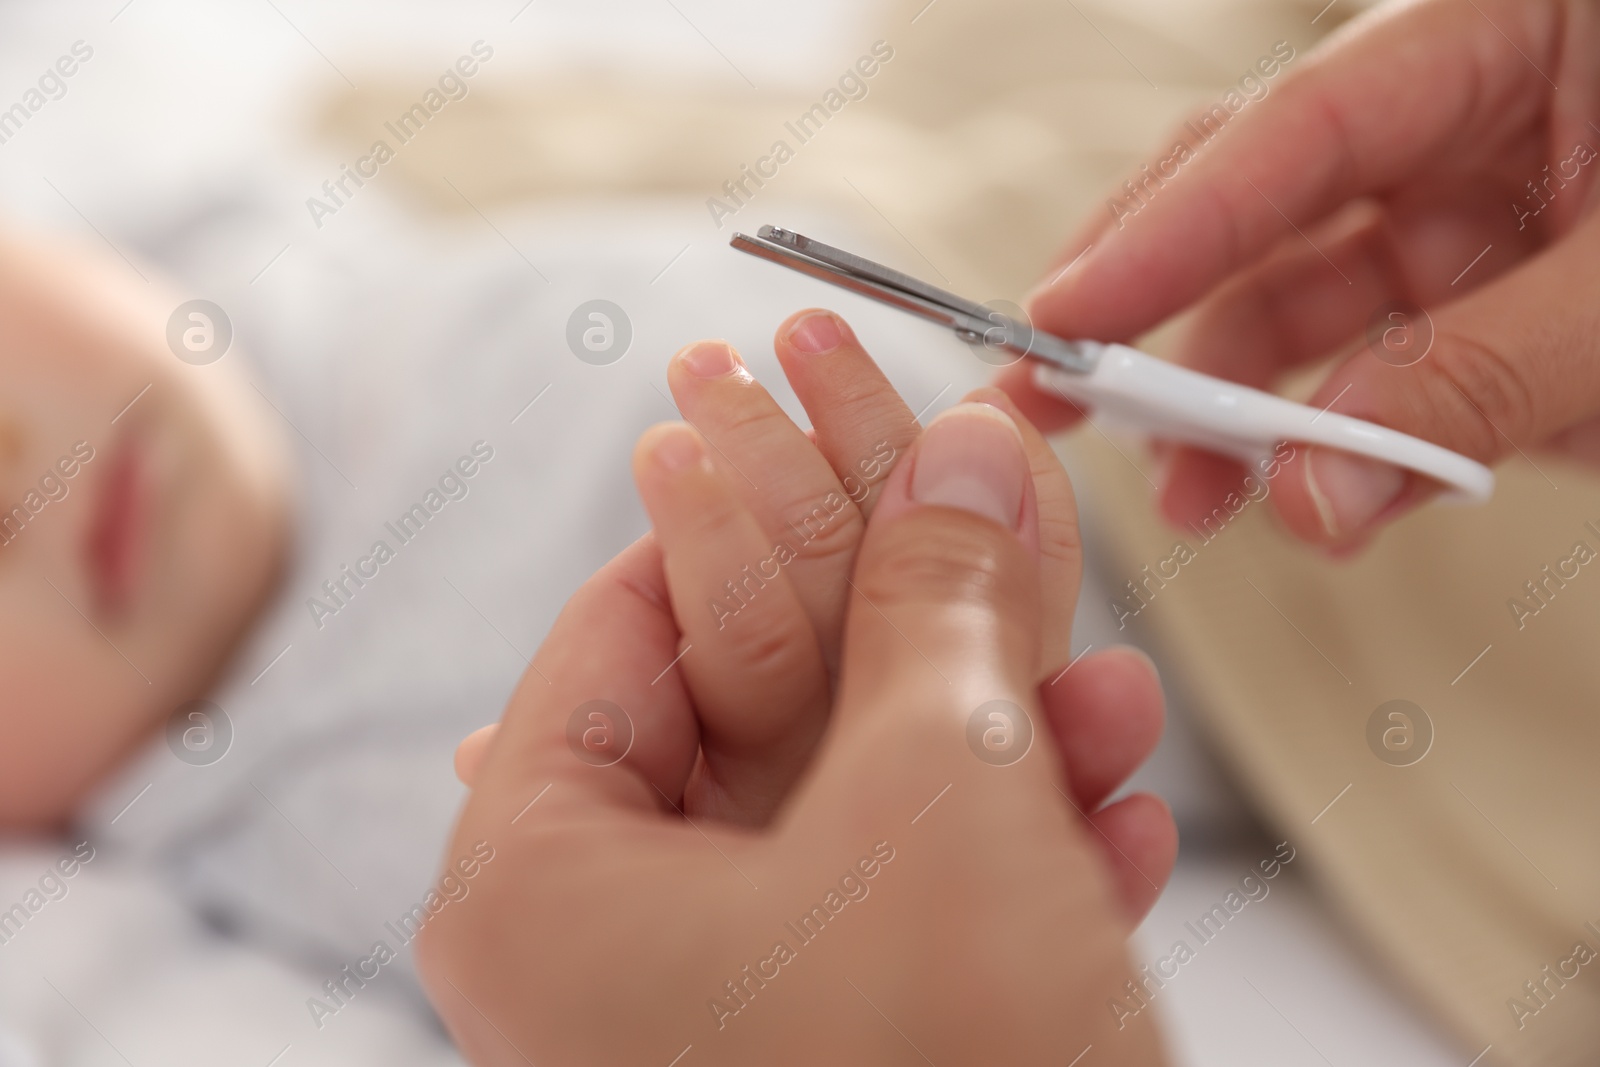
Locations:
column 119, row 972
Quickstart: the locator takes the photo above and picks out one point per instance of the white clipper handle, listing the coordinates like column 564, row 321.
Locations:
column 1170, row 402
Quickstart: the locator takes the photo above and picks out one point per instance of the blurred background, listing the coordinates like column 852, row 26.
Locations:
column 981, row 142
column 589, row 158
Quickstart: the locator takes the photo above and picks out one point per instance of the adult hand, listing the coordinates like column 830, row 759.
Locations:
column 1425, row 155
column 912, row 899
column 772, row 637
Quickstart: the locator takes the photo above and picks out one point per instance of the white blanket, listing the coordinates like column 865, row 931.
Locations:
column 118, row 971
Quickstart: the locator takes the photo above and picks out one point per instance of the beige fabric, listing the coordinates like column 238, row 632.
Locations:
column 1449, row 868
column 975, row 152
column 995, row 128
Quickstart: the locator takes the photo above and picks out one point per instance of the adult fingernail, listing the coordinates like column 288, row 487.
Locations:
column 709, row 359
column 971, row 457
column 1139, row 653
column 1350, row 491
column 817, row 334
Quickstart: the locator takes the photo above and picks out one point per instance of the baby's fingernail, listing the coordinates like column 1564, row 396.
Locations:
column 709, row 359
column 817, row 334
column 971, row 458
column 678, row 448
column 1350, row 491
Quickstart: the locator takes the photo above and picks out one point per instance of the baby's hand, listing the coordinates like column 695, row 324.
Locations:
column 814, row 490
column 756, row 530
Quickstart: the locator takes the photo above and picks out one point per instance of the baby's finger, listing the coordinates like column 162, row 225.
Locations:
column 1060, row 546
column 749, row 653
column 862, row 425
column 812, row 527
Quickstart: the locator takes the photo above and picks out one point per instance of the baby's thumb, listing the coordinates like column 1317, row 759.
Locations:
column 944, row 615
column 1502, row 371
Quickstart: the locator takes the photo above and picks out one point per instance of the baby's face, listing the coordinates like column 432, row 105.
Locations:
column 142, row 518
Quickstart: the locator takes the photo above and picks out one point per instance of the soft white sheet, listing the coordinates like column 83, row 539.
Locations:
column 118, row 971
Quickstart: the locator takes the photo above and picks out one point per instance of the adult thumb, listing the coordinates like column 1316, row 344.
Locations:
column 1512, row 367
column 945, row 613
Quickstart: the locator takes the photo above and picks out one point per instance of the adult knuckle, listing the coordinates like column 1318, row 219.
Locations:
column 1485, row 386
column 1346, row 171
column 961, row 561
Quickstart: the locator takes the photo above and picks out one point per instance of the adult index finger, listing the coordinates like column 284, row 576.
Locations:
column 1329, row 132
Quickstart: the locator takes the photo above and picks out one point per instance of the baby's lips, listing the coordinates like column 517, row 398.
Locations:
column 115, row 534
